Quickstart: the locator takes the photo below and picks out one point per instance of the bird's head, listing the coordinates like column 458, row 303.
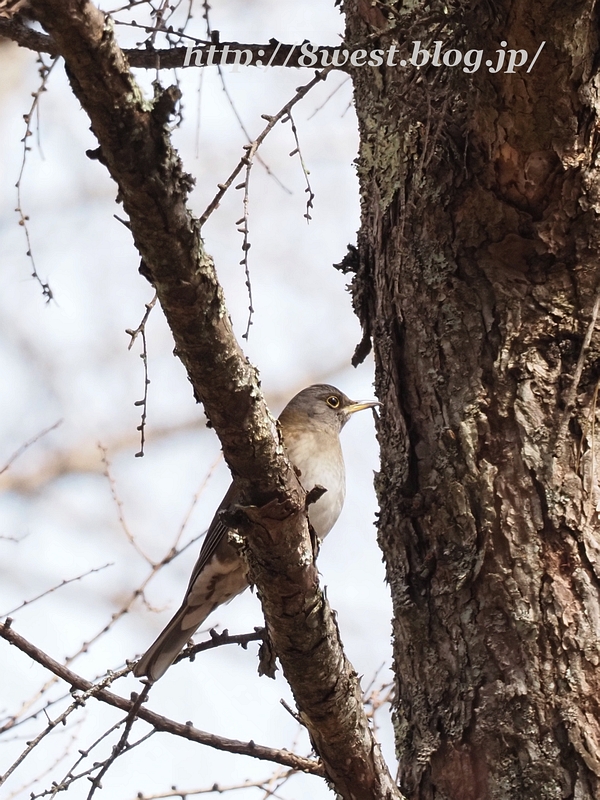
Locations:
column 324, row 406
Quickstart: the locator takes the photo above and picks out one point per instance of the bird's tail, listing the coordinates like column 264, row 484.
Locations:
column 160, row 655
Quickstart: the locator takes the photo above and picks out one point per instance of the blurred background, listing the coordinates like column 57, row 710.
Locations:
column 76, row 501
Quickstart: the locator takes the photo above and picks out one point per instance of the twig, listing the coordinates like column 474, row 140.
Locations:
column 44, row 72
column 219, row 639
column 240, row 121
column 122, row 744
column 298, row 152
column 246, row 244
column 276, row 54
column 217, row 788
column 28, row 444
column 251, row 149
column 141, row 331
column 64, row 582
column 119, row 504
column 328, row 98
column 171, row 554
column 89, row 691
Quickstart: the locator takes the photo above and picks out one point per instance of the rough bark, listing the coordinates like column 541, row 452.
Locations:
column 477, row 279
column 135, row 148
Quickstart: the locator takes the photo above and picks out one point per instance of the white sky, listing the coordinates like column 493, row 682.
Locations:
column 68, row 360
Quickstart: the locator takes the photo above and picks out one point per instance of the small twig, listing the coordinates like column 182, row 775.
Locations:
column 119, row 504
column 217, row 788
column 122, row 744
column 64, row 784
column 243, row 222
column 240, row 121
column 173, row 552
column 328, row 98
column 28, row 444
column 141, row 331
column 89, row 690
column 44, row 72
column 220, row 639
column 247, row 161
column 21, row 791
column 64, row 582
column 292, row 713
column 297, row 151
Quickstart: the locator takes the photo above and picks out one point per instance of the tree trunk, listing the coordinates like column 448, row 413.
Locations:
column 477, row 281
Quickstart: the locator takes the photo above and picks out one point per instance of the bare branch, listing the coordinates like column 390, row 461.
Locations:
column 275, row 54
column 44, row 71
column 297, row 151
column 218, row 640
column 186, row 731
column 83, row 457
column 216, row 788
column 64, row 582
column 119, row 504
column 28, row 444
column 251, row 149
column 141, row 331
column 122, row 745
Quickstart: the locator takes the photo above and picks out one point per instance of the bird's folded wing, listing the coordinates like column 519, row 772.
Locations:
column 215, row 534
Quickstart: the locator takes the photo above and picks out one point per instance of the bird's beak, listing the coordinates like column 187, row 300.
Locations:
column 362, row 404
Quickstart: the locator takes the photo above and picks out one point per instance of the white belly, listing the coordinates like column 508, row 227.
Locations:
column 321, row 471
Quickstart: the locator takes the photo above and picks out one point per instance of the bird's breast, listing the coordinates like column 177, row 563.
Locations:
column 319, row 458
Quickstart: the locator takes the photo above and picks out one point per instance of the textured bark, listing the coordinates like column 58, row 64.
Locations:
column 477, row 279
column 135, row 147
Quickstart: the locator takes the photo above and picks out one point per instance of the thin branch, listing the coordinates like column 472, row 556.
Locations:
column 245, row 243
column 220, row 639
column 297, row 151
column 28, row 444
column 52, row 723
column 141, row 331
column 328, row 98
column 44, row 71
column 251, row 149
column 123, row 743
column 171, row 554
column 119, row 504
column 160, row 723
column 240, row 121
column 217, row 788
column 64, row 582
column 81, row 458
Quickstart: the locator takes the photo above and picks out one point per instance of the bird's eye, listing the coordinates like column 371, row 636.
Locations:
column 333, row 401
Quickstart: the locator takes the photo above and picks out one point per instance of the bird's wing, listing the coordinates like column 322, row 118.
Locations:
column 217, row 531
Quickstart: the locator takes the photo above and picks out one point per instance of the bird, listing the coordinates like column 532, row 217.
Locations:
column 310, row 426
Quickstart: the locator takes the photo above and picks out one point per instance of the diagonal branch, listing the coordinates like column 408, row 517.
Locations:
column 159, row 722
column 136, row 149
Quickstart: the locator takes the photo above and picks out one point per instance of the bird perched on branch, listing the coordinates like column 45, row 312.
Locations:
column 310, row 425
